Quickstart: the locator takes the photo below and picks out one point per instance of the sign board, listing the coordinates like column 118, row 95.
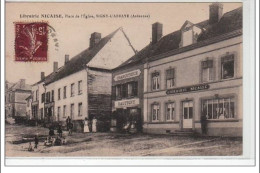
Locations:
column 127, row 75
column 188, row 89
column 127, row 103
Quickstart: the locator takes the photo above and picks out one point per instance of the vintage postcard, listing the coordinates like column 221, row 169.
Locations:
column 124, row 80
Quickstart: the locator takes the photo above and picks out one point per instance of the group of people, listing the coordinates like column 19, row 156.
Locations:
column 90, row 126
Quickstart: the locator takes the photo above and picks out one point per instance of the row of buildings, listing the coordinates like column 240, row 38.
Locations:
column 167, row 86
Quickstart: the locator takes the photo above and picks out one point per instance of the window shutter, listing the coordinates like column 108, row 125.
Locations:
column 204, row 64
column 113, row 92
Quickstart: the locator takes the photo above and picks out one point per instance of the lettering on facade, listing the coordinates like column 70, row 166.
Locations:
column 188, row 89
column 127, row 75
column 127, row 103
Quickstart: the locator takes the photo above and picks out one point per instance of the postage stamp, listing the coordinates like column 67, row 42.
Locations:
column 31, row 41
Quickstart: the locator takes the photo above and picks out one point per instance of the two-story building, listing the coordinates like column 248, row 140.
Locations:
column 81, row 88
column 194, row 72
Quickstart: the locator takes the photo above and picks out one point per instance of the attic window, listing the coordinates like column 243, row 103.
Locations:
column 187, row 37
column 190, row 34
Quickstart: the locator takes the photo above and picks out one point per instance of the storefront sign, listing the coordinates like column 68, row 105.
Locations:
column 188, row 89
column 127, row 75
column 126, row 103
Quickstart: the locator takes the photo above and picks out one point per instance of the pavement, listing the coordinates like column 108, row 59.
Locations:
column 116, row 144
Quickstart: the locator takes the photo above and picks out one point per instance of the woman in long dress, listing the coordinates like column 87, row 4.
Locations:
column 94, row 125
column 86, row 127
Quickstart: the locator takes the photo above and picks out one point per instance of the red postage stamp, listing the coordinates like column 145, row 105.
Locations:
column 31, row 41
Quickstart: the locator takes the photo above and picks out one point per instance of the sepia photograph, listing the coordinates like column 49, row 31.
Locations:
column 124, row 80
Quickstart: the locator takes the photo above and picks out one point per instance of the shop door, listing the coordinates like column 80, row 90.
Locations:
column 187, row 114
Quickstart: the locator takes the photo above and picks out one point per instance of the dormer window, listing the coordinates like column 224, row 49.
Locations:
column 189, row 34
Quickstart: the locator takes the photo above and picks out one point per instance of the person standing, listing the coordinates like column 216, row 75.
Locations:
column 86, row 125
column 70, row 127
column 94, row 125
column 59, row 130
column 36, row 141
column 68, row 121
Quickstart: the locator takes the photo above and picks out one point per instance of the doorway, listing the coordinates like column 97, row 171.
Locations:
column 187, row 109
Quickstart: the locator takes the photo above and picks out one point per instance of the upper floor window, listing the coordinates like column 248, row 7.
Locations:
column 219, row 108
column 155, row 81
column 72, row 90
column 80, row 110
column 118, row 91
column 48, row 97
column 124, row 90
column 59, row 94
column 64, row 92
column 36, row 95
column 170, row 109
column 170, row 78
column 155, row 112
column 64, row 111
column 132, row 89
column 207, row 70
column 52, row 95
column 43, row 97
column 227, row 67
column 80, row 87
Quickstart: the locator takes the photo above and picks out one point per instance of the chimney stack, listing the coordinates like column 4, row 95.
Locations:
column 94, row 39
column 42, row 75
column 67, row 58
column 55, row 66
column 156, row 32
column 22, row 83
column 215, row 12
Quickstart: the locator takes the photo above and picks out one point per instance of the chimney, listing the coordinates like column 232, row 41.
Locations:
column 94, row 39
column 42, row 75
column 67, row 58
column 215, row 12
column 22, row 83
column 55, row 66
column 156, row 32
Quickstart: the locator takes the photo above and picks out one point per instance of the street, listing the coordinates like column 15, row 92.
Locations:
column 116, row 144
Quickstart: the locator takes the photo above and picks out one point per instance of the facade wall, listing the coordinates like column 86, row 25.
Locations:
column 188, row 72
column 99, row 93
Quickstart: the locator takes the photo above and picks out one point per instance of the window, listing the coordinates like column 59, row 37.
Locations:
column 170, row 80
column 124, row 90
column 155, row 81
column 155, row 112
column 64, row 111
column 170, row 111
column 227, row 67
column 48, row 97
column 72, row 90
column 64, row 92
column 36, row 94
column 187, row 37
column 80, row 87
column 41, row 113
column 219, row 108
column 118, row 92
column 52, row 95
column 58, row 113
column 207, row 70
column 132, row 89
column 80, row 110
column 72, row 111
column 59, row 94
column 43, row 97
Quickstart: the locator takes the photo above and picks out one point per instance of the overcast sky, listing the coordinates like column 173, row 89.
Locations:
column 73, row 34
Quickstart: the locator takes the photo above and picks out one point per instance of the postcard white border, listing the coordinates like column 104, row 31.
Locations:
column 248, row 159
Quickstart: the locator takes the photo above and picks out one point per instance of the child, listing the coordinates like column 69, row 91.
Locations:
column 36, row 141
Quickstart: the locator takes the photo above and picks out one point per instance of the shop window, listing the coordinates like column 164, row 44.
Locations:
column 132, row 89
column 170, row 111
column 80, row 87
column 170, row 79
column 43, row 97
column 155, row 81
column 59, row 94
column 64, row 111
column 118, row 92
column 220, row 108
column 124, row 91
column 155, row 112
column 80, row 110
column 72, row 90
column 207, row 70
column 227, row 67
column 64, row 92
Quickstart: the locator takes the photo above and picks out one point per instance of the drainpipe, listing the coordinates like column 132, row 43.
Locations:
column 44, row 86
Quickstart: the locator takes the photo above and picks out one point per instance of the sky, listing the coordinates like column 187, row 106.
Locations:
column 72, row 34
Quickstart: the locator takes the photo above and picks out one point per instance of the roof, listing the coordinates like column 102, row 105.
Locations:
column 80, row 61
column 17, row 86
column 230, row 21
